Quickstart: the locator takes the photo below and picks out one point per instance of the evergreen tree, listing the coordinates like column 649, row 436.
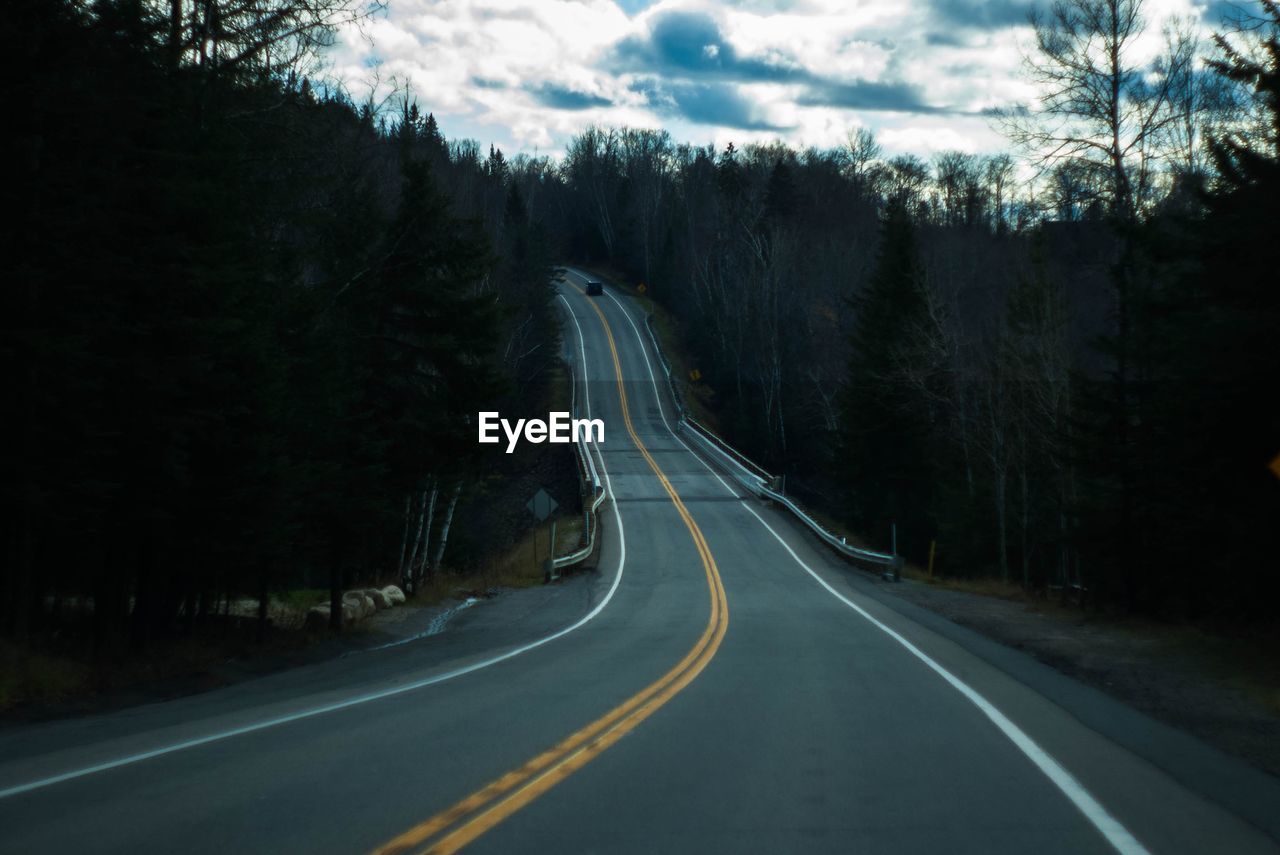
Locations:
column 884, row 453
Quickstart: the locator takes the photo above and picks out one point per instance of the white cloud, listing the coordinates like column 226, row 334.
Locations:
column 528, row 74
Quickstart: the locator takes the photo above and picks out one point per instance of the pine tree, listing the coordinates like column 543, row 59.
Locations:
column 884, row 454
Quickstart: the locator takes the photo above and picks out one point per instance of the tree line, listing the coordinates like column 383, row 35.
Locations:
column 1052, row 366
column 247, row 321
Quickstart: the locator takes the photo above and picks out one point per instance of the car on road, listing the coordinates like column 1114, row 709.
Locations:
column 595, row 289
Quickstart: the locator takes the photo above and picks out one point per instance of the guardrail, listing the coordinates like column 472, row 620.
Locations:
column 754, row 478
column 593, row 493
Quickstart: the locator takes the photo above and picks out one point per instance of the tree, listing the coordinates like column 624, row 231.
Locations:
column 1104, row 116
column 883, row 446
column 249, row 37
column 863, row 152
column 1099, row 108
column 1212, row 428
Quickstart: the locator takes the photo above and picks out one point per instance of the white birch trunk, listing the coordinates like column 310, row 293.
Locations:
column 404, row 538
column 429, row 518
column 444, row 528
column 417, row 543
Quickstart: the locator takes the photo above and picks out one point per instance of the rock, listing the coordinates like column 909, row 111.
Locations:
column 380, row 600
column 360, row 605
column 393, row 594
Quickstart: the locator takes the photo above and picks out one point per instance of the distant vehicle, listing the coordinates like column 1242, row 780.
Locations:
column 595, row 289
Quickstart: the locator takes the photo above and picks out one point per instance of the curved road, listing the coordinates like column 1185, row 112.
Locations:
column 722, row 683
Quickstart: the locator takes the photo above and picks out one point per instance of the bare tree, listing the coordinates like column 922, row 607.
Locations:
column 906, row 177
column 999, row 173
column 647, row 160
column 591, row 165
column 1099, row 108
column 957, row 176
column 272, row 36
column 863, row 153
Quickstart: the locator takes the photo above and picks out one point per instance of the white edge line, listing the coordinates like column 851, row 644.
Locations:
column 1120, row 838
column 359, row 699
column 1110, row 828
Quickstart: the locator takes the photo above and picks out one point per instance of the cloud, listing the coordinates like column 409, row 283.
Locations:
column 719, row 104
column 691, row 49
column 867, row 95
column 716, row 104
column 1216, row 13
column 561, row 98
column 528, row 74
column 980, row 14
column 691, row 45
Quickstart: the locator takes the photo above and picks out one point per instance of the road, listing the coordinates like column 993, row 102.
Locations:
column 721, row 683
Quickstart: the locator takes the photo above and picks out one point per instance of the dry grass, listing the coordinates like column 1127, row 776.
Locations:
column 27, row 676
column 521, row 566
column 981, row 585
column 984, row 586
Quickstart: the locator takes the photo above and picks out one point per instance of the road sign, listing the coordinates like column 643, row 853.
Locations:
column 541, row 505
column 695, row 375
column 641, row 288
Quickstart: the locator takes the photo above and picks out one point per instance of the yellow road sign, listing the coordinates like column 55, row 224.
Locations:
column 641, row 288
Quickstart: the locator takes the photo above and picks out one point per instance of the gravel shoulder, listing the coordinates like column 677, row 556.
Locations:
column 1226, row 691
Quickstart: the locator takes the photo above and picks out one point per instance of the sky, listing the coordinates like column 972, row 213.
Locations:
column 526, row 75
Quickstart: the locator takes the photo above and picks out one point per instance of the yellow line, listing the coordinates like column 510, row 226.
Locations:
column 500, row 798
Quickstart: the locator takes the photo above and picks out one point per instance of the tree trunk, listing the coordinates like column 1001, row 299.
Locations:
column 175, row 33
column 444, row 529
column 419, row 547
column 1025, row 490
column 404, row 536
column 1001, row 528
column 428, row 520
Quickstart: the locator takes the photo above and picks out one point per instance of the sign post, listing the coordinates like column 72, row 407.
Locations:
column 542, row 506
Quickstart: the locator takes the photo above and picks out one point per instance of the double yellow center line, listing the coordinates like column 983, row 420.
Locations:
column 460, row 824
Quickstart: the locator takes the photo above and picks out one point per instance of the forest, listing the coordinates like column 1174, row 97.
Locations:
column 247, row 325
column 1050, row 365
column 248, row 318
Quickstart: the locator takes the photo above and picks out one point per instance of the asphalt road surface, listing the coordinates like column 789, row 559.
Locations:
column 722, row 683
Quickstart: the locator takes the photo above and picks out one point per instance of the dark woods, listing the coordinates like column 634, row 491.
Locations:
column 1066, row 383
column 245, row 324
column 246, row 321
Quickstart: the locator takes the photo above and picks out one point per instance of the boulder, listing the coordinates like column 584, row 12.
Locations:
column 359, row 605
column 380, row 600
column 394, row 594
